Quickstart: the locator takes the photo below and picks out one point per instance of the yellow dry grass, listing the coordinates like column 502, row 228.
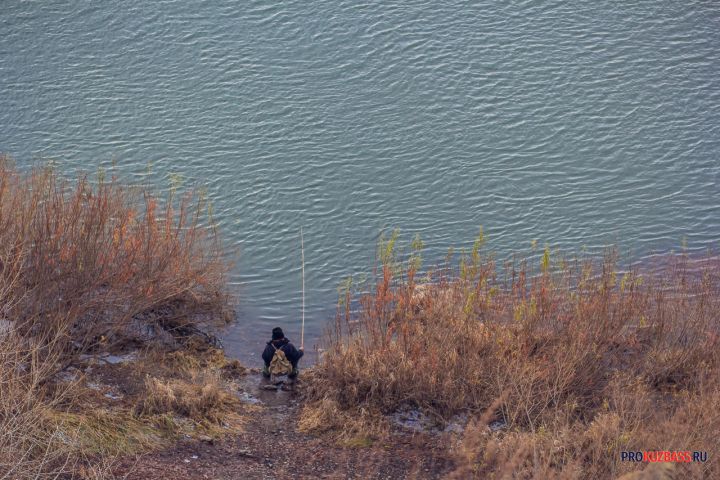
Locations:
column 201, row 398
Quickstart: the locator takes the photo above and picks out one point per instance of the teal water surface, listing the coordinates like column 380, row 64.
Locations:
column 581, row 123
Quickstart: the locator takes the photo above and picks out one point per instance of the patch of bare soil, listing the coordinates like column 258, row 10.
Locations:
column 272, row 447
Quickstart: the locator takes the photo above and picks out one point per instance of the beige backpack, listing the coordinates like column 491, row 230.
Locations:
column 280, row 365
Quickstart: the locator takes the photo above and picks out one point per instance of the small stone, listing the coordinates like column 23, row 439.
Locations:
column 497, row 425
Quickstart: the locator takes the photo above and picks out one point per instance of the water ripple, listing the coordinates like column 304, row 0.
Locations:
column 574, row 124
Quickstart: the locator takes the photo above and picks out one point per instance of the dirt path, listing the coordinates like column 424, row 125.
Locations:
column 271, row 447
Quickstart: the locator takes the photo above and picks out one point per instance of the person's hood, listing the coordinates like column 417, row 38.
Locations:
column 279, row 343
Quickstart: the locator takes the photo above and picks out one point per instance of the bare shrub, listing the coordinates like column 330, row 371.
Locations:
column 84, row 266
column 587, row 360
column 95, row 261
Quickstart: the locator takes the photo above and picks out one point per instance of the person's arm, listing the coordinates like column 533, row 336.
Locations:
column 292, row 353
column 267, row 354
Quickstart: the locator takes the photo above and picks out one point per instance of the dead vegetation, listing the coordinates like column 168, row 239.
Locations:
column 88, row 267
column 179, row 385
column 29, row 444
column 92, row 263
column 573, row 361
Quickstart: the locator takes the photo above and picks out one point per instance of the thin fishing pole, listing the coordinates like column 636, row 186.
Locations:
column 302, row 253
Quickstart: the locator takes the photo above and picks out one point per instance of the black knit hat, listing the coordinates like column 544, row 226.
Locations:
column 277, row 333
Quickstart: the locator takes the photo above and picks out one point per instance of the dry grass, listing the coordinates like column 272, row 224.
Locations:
column 85, row 266
column 352, row 428
column 202, row 397
column 30, row 446
column 579, row 360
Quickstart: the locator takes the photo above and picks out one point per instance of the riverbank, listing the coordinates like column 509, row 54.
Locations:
column 475, row 369
column 93, row 274
column 189, row 412
column 271, row 445
column 549, row 369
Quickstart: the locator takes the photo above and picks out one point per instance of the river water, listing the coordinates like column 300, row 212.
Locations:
column 578, row 124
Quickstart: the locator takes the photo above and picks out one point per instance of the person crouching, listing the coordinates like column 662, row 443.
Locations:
column 280, row 356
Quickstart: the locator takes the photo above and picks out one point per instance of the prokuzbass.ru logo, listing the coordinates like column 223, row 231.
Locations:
column 654, row 456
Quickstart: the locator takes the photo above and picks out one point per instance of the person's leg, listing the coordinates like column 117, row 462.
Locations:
column 266, row 371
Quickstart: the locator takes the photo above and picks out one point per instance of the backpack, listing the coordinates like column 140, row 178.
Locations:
column 280, row 365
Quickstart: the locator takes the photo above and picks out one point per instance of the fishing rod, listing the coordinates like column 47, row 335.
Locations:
column 302, row 256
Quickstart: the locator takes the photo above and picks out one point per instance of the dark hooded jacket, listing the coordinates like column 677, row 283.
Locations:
column 293, row 354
